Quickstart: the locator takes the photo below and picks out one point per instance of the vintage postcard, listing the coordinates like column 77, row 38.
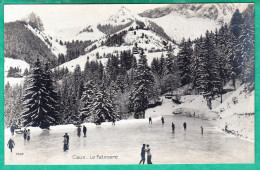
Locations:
column 129, row 84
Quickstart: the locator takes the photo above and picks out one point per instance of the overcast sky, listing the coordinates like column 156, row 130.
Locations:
column 68, row 16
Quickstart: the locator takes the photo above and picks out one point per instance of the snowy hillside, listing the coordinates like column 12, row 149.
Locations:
column 181, row 27
column 51, row 42
column 191, row 20
column 148, row 39
column 236, row 111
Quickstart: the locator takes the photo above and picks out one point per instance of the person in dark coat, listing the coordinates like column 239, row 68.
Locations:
column 79, row 130
column 201, row 128
column 65, row 143
column 12, row 130
column 185, row 126
column 113, row 122
column 84, row 130
column 25, row 134
column 150, row 120
column 142, row 154
column 11, row 144
column 67, row 137
column 28, row 134
column 162, row 120
column 173, row 128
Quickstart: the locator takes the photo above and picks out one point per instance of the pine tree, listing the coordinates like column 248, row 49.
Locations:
column 202, row 74
column 142, row 91
column 247, row 48
column 87, row 99
column 102, row 109
column 37, row 101
column 52, row 94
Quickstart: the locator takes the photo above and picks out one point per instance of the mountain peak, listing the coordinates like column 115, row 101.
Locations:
column 34, row 21
column 122, row 16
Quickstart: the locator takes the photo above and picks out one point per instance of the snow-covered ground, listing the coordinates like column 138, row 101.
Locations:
column 238, row 113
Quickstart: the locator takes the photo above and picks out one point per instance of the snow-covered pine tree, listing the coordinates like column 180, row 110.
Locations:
column 161, row 66
column 102, row 109
column 37, row 101
column 232, row 63
column 236, row 23
column 183, row 62
column 202, row 73
column 247, row 46
column 87, row 71
column 86, row 101
column 214, row 64
column 143, row 84
column 52, row 94
column 120, row 82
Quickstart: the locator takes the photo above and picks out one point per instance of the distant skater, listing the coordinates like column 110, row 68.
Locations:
column 84, row 130
column 28, row 134
column 11, row 144
column 65, row 143
column 79, row 130
column 201, row 128
column 113, row 122
column 67, row 137
column 184, row 126
column 150, row 120
column 149, row 155
column 25, row 134
column 12, row 130
column 142, row 154
column 173, row 128
column 162, row 120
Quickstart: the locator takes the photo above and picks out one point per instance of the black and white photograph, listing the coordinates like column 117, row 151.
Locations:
column 129, row 84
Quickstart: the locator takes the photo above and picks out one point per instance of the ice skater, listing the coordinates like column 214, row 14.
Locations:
column 184, row 126
column 150, row 120
column 67, row 137
column 142, row 154
column 11, row 144
column 113, row 122
column 201, row 128
column 12, row 130
column 65, row 143
column 28, row 135
column 79, row 130
column 173, row 128
column 149, row 155
column 162, row 120
column 25, row 134
column 84, row 130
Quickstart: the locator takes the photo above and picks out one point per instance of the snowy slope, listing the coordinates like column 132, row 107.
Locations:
column 178, row 26
column 192, row 20
column 150, row 40
column 238, row 117
column 55, row 46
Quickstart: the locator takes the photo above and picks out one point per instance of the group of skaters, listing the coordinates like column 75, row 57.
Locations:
column 66, row 137
column 173, row 126
column 26, row 136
